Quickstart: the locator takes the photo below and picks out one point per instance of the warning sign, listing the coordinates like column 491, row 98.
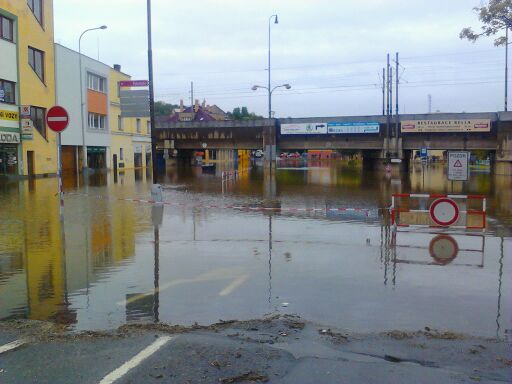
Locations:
column 458, row 166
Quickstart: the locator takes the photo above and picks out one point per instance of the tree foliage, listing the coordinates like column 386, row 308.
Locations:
column 496, row 16
column 164, row 109
column 243, row 114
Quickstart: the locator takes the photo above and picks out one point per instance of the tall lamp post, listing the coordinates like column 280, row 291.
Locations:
column 84, row 148
column 276, row 21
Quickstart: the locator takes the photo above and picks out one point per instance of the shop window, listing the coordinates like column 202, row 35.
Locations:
column 36, row 6
column 36, row 61
column 6, row 28
column 38, row 116
column 7, row 92
column 96, row 83
column 97, row 121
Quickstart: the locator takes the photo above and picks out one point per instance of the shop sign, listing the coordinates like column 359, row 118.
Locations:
column 356, row 127
column 419, row 126
column 304, row 129
column 27, row 129
column 9, row 137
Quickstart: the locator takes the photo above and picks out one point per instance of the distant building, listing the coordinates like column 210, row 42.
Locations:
column 197, row 112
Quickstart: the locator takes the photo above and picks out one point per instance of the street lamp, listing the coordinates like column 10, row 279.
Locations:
column 270, row 92
column 84, row 148
column 276, row 21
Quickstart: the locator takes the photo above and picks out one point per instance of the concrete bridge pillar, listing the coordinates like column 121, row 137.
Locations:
column 269, row 145
column 503, row 164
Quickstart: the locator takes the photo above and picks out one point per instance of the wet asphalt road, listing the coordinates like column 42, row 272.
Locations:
column 281, row 350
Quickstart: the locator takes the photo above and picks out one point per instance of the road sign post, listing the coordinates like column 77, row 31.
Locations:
column 57, row 120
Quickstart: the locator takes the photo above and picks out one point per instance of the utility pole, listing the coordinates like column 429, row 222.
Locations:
column 506, row 68
column 151, row 96
column 383, row 91
column 396, row 110
column 388, row 103
column 429, row 103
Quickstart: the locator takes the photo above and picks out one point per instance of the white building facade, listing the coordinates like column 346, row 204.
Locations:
column 93, row 132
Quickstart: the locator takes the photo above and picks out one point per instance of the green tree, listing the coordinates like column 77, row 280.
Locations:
column 164, row 109
column 243, row 114
column 496, row 16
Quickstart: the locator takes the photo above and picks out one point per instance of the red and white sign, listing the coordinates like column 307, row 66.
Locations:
column 134, row 83
column 25, row 111
column 57, row 119
column 443, row 249
column 444, row 212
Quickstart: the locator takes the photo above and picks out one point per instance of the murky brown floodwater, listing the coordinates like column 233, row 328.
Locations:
column 334, row 267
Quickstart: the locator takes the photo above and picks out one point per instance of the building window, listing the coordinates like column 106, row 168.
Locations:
column 6, row 28
column 38, row 115
column 120, row 123
column 97, row 121
column 138, row 126
column 96, row 83
column 36, row 61
column 148, row 127
column 7, row 92
column 36, row 6
column 121, row 154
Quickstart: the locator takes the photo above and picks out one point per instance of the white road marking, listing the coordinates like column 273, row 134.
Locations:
column 234, row 285
column 11, row 346
column 135, row 361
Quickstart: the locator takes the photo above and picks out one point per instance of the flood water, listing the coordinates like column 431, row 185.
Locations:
column 325, row 252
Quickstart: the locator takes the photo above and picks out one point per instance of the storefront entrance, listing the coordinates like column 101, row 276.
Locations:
column 97, row 157
column 8, row 159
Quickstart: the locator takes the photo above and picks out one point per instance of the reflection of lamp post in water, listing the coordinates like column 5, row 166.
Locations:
column 157, row 214
column 500, row 276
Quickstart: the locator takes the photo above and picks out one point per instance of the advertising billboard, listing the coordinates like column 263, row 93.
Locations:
column 419, row 126
column 357, row 127
column 304, row 129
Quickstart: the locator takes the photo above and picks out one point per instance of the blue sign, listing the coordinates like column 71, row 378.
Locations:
column 424, row 152
column 357, row 127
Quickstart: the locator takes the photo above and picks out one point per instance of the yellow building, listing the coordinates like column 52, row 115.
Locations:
column 32, row 34
column 131, row 136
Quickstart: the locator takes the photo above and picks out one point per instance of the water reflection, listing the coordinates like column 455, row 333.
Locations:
column 115, row 261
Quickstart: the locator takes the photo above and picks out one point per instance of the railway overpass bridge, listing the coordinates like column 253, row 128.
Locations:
column 377, row 140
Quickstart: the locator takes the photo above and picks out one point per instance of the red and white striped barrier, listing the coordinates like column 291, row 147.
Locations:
column 365, row 211
column 444, row 211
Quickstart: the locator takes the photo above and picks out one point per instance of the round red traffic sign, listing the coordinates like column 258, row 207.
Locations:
column 57, row 119
column 444, row 212
column 443, row 249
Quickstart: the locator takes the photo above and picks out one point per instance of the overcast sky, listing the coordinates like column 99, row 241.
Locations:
column 331, row 51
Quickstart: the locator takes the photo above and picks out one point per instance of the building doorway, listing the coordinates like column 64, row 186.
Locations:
column 30, row 163
column 8, row 159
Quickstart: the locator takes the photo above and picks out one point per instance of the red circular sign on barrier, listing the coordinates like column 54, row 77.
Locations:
column 57, row 119
column 444, row 212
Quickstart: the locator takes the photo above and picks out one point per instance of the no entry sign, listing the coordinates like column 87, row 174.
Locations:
column 444, row 212
column 57, row 119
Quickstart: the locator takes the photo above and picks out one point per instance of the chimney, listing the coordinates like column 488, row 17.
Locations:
column 117, row 67
column 181, row 105
column 204, row 103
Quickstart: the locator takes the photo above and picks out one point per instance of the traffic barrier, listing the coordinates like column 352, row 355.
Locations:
column 438, row 211
column 364, row 211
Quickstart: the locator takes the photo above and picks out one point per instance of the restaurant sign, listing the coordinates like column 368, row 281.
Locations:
column 419, row 126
